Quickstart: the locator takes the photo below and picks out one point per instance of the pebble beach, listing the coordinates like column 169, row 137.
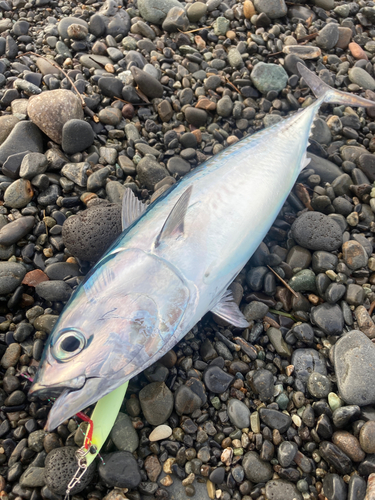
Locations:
column 97, row 97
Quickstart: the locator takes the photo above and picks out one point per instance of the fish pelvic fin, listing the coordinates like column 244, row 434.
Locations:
column 328, row 94
column 228, row 310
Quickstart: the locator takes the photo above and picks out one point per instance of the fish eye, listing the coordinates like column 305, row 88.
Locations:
column 71, row 341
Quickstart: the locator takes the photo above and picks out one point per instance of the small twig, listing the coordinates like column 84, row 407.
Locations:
column 283, row 282
column 282, row 313
column 232, row 84
column 60, row 69
column 193, row 31
column 275, row 54
column 307, row 37
column 97, row 62
column 142, row 95
column 127, row 102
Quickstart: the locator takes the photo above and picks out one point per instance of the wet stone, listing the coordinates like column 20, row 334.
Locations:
column 328, row 36
column 123, row 434
column 24, row 136
column 33, row 477
column 239, row 413
column 14, row 231
column 256, row 470
column 286, row 453
column 298, row 257
column 60, row 467
column 366, row 437
column 176, row 20
column 255, row 310
column 120, row 470
column 275, row 419
column 323, row 261
column 156, row 402
column 304, row 332
column 278, row 342
column 316, row 231
column 349, row 445
column 365, row 323
column 77, row 135
column 334, row 487
column 335, row 457
column 354, row 360
column 50, row 111
column 155, row 11
column 54, row 290
column 354, row 255
column 362, row 78
column 150, row 172
column 88, row 234
column 306, row 361
column 262, row 384
column 343, row 415
column 357, row 488
column 281, row 489
column 319, row 385
column 216, row 380
column 328, row 318
column 267, row 77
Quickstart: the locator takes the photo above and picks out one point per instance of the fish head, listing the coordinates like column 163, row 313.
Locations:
column 116, row 324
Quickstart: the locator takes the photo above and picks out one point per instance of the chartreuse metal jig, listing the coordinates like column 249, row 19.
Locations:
column 102, row 421
column 100, row 425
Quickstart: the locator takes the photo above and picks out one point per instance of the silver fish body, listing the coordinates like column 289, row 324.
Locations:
column 171, row 266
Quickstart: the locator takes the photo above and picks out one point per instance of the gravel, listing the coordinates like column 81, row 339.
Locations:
column 279, row 410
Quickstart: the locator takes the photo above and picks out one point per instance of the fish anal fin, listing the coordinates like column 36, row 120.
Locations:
column 305, row 161
column 228, row 310
column 174, row 225
column 132, row 209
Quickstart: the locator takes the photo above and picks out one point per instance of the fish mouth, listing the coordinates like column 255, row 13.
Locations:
column 72, row 396
column 71, row 402
column 44, row 391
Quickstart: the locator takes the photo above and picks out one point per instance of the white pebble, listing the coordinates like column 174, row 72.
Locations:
column 160, row 432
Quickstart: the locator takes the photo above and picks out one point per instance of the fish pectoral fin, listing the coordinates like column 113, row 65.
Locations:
column 132, row 209
column 228, row 310
column 174, row 225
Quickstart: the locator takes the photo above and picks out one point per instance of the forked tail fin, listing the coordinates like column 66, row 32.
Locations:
column 330, row 95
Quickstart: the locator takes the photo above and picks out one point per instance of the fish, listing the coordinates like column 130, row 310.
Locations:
column 174, row 262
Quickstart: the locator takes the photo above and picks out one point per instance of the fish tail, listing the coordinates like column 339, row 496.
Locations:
column 328, row 94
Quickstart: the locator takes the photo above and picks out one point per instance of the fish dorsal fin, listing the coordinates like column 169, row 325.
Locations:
column 174, row 225
column 132, row 209
column 228, row 310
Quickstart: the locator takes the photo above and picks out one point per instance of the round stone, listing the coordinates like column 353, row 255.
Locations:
column 267, row 77
column 349, row 445
column 239, row 413
column 316, row 231
column 156, row 402
column 119, row 470
column 216, row 379
column 77, row 135
column 60, row 467
column 123, row 434
column 88, row 234
column 256, row 470
column 319, row 385
column 50, row 111
column 367, row 437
